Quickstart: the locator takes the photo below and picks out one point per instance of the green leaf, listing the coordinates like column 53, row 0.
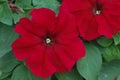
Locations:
column 60, row 1
column 7, row 36
column 24, row 4
column 4, row 75
column 73, row 75
column 52, row 4
column 20, row 73
column 110, row 70
column 32, row 77
column 2, row 1
column 54, row 77
column 117, row 39
column 118, row 77
column 5, row 14
column 104, row 42
column 111, row 53
column 8, row 62
column 7, row 78
column 23, row 73
column 89, row 67
column 20, row 15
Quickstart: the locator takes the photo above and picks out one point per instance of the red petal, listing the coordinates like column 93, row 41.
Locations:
column 112, row 5
column 25, row 45
column 83, row 10
column 21, row 27
column 71, row 46
column 111, row 13
column 28, row 27
column 65, row 62
column 44, row 18
column 66, row 25
column 42, row 66
column 87, row 25
column 26, row 41
column 76, row 5
column 103, row 26
column 113, row 22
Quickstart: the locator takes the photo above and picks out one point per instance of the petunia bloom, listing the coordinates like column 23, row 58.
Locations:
column 95, row 17
column 48, row 43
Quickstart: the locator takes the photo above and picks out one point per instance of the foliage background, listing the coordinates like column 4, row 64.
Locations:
column 102, row 61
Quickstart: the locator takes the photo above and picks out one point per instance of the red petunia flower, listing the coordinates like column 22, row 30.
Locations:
column 48, row 43
column 95, row 17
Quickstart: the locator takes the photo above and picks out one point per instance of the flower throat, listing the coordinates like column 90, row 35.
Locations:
column 98, row 8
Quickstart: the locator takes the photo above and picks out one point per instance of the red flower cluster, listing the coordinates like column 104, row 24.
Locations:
column 95, row 17
column 48, row 43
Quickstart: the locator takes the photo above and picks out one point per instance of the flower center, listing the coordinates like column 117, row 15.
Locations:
column 98, row 8
column 48, row 40
column 98, row 12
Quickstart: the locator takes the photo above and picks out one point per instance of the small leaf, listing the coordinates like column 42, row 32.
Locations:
column 32, row 77
column 104, row 42
column 20, row 73
column 24, row 4
column 89, row 67
column 7, row 36
column 73, row 75
column 59, row 1
column 111, row 53
column 118, row 78
column 23, row 73
column 4, row 75
column 110, row 70
column 2, row 1
column 20, row 15
column 52, row 4
column 7, row 78
column 117, row 39
column 8, row 62
column 5, row 14
column 25, row 7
